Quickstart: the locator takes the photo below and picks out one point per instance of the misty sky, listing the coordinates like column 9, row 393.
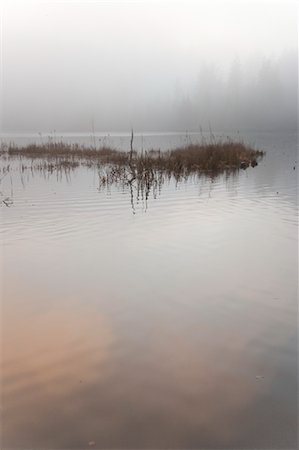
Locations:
column 117, row 64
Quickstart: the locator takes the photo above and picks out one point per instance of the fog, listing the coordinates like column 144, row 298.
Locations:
column 151, row 65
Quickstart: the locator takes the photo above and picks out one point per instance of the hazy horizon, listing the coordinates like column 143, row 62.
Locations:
column 154, row 66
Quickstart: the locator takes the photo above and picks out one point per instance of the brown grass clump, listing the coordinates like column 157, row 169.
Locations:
column 63, row 150
column 211, row 159
column 214, row 157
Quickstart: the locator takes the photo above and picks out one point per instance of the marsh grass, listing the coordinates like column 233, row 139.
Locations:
column 143, row 171
column 208, row 158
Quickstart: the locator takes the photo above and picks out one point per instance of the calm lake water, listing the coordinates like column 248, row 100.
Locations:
column 167, row 322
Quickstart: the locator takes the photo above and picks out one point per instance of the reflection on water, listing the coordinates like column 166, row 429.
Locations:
column 174, row 327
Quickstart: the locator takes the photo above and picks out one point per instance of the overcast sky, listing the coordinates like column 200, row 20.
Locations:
column 66, row 64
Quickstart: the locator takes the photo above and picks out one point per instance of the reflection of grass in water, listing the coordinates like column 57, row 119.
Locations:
column 143, row 171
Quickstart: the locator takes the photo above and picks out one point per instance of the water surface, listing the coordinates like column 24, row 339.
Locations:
column 167, row 322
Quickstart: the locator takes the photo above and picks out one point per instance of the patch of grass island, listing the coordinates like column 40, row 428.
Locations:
column 211, row 158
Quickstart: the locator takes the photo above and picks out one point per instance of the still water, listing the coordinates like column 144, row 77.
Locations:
column 167, row 322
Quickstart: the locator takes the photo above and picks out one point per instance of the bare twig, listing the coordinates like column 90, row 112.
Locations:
column 131, row 145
